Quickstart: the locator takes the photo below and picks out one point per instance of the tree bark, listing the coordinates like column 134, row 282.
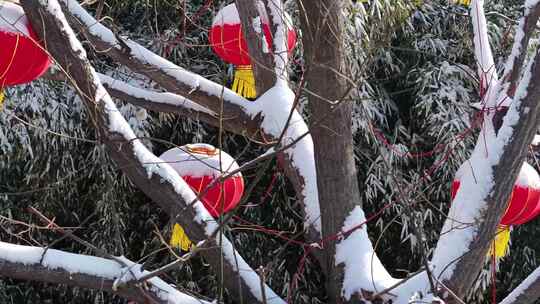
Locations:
column 322, row 28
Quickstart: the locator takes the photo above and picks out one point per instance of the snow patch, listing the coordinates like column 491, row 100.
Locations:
column 13, row 19
column 363, row 269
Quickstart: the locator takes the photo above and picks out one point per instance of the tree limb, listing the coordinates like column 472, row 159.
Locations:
column 504, row 154
column 527, row 291
column 261, row 61
column 23, row 263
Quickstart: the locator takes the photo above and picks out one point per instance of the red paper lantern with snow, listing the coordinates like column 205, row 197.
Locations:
column 227, row 41
column 22, row 58
column 199, row 165
column 524, row 203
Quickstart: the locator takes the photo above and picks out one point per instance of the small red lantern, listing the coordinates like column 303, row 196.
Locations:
column 227, row 41
column 200, row 165
column 22, row 58
column 523, row 205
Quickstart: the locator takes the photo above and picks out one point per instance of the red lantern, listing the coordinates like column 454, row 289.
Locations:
column 22, row 58
column 524, row 203
column 199, row 165
column 227, row 41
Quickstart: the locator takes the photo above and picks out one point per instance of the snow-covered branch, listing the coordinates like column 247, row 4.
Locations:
column 168, row 75
column 527, row 291
column 266, row 116
column 252, row 14
column 481, row 200
column 55, row 266
column 487, row 72
column 514, row 64
column 155, row 178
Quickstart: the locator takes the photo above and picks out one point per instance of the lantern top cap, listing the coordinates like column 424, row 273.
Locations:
column 203, row 149
column 13, row 19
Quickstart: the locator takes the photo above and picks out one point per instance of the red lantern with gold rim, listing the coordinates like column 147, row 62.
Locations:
column 200, row 165
column 22, row 58
column 227, row 41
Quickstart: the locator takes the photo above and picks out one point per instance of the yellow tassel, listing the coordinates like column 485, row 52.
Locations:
column 2, row 96
column 179, row 239
column 466, row 3
column 244, row 82
column 501, row 242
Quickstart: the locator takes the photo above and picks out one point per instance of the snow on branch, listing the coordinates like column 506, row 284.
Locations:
column 171, row 77
column 527, row 291
column 486, row 186
column 513, row 67
column 280, row 22
column 267, row 114
column 154, row 177
column 55, row 266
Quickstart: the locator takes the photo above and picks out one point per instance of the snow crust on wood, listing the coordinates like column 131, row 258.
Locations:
column 89, row 265
column 198, row 165
column 13, row 19
column 486, row 65
column 152, row 96
column 252, row 279
column 476, row 184
column 276, row 105
column 522, row 287
column 196, row 82
column 152, row 164
column 279, row 19
column 164, row 291
column 363, row 269
column 56, row 259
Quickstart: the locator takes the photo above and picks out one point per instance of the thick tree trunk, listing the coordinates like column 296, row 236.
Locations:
column 331, row 126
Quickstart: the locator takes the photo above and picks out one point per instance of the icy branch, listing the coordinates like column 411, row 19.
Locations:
column 527, row 292
column 486, row 186
column 251, row 12
column 55, row 266
column 280, row 23
column 514, row 64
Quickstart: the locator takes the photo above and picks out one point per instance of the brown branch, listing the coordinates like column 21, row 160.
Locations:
column 262, row 63
column 527, row 26
column 236, row 119
column 527, row 291
column 189, row 85
column 36, row 272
